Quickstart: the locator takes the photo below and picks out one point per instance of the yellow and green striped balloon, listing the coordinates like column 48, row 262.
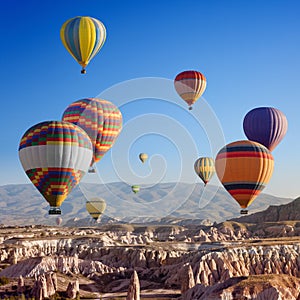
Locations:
column 95, row 207
column 135, row 188
column 205, row 168
column 83, row 37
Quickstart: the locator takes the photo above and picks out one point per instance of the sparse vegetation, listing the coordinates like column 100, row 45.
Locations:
column 4, row 280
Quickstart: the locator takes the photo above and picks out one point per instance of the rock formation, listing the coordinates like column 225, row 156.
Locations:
column 134, row 287
column 186, row 278
column 204, row 262
column 258, row 287
column 44, row 286
column 20, row 288
column 73, row 289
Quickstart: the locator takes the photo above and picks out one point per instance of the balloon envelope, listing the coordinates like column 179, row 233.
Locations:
column 265, row 125
column 55, row 156
column 244, row 168
column 58, row 221
column 100, row 119
column 95, row 207
column 190, row 85
column 205, row 168
column 83, row 37
column 143, row 157
column 135, row 188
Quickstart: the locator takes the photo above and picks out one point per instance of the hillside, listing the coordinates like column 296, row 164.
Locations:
column 285, row 212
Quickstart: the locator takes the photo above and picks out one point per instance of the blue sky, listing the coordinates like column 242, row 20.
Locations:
column 248, row 51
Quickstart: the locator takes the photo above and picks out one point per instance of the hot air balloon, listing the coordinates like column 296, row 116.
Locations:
column 190, row 85
column 244, row 168
column 135, row 188
column 58, row 221
column 265, row 125
column 95, row 207
column 205, row 168
column 143, row 157
column 83, row 37
column 101, row 120
column 55, row 156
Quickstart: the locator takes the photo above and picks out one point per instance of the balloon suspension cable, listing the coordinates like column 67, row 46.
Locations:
column 83, row 71
column 190, row 108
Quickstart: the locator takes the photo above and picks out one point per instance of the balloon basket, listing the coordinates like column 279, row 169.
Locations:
column 55, row 211
column 83, row 71
column 244, row 212
column 92, row 170
column 190, row 108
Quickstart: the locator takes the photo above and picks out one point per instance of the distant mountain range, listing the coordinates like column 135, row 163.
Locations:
column 22, row 204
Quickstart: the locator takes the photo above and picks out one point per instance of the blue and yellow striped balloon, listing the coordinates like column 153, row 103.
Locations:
column 83, row 37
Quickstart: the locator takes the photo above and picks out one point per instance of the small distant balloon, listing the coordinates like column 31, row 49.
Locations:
column 135, row 188
column 83, row 37
column 190, row 85
column 205, row 168
column 96, row 207
column 265, row 125
column 58, row 221
column 143, row 157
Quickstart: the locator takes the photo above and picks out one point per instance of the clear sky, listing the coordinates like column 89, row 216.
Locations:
column 248, row 51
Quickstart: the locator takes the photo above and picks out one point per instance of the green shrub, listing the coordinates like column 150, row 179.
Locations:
column 4, row 280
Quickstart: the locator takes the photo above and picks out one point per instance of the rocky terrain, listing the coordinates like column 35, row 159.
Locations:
column 229, row 260
column 253, row 257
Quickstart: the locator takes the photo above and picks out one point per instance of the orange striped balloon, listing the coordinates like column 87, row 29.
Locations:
column 244, row 168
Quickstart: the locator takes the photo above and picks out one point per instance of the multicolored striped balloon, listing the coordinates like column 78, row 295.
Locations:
column 95, row 207
column 265, row 125
column 83, row 37
column 205, row 168
column 55, row 156
column 244, row 168
column 100, row 119
column 190, row 85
